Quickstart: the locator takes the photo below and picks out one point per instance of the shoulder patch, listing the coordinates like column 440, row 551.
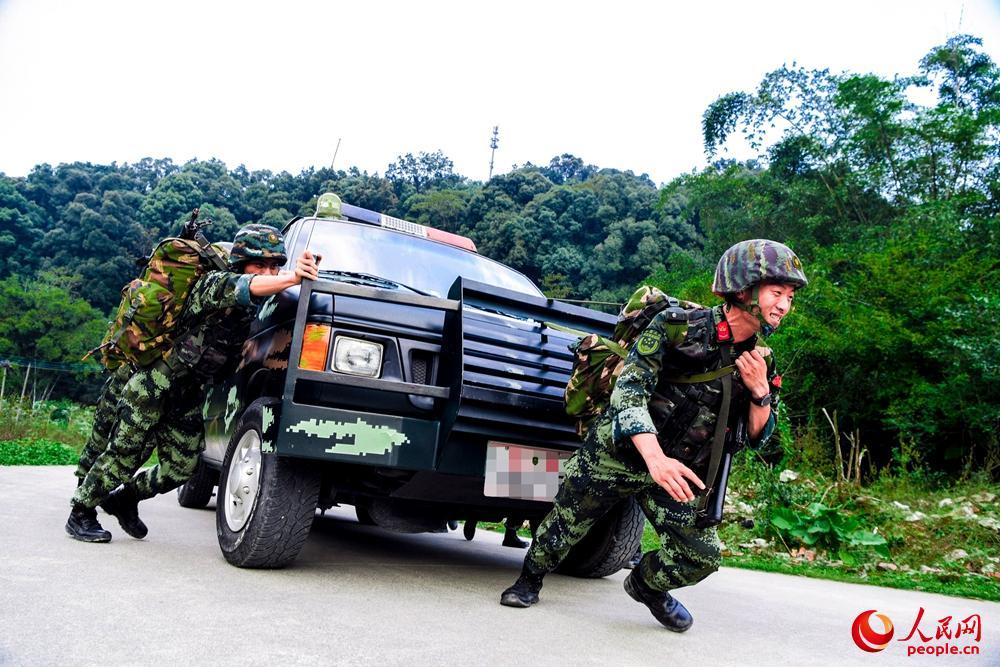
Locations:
column 648, row 343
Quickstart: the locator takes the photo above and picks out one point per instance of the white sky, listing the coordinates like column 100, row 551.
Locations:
column 272, row 85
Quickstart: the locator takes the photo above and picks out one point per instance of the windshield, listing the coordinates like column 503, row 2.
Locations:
column 423, row 265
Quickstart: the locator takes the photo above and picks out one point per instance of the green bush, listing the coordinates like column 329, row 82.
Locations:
column 829, row 527
column 35, row 452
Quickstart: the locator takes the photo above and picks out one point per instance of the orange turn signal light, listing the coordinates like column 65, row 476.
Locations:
column 315, row 347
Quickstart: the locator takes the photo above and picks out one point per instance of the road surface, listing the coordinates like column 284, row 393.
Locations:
column 362, row 595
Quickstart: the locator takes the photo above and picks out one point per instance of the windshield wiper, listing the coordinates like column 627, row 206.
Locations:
column 368, row 278
column 501, row 313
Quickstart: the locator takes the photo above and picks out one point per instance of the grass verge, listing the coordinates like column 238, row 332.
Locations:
column 979, row 587
column 946, row 583
column 36, row 452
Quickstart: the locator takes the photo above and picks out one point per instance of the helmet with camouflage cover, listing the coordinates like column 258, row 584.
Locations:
column 256, row 242
column 749, row 263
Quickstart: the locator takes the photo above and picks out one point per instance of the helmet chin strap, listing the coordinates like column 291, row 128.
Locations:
column 753, row 308
column 766, row 329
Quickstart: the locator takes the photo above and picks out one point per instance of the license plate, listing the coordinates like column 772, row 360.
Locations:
column 514, row 471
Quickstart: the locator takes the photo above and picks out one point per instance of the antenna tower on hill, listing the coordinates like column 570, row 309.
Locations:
column 494, row 142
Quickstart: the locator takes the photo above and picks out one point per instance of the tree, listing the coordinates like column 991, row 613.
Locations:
column 169, row 204
column 422, row 171
column 568, row 167
column 861, row 133
column 361, row 189
column 441, row 209
column 98, row 240
column 214, row 182
column 148, row 172
column 21, row 225
column 276, row 217
column 45, row 321
column 224, row 225
column 892, row 206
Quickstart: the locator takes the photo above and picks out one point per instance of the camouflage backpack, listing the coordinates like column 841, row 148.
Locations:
column 143, row 326
column 599, row 360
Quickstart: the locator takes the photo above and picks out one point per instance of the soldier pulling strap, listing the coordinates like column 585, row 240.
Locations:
column 719, row 438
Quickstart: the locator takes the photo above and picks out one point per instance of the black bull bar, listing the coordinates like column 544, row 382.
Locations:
column 505, row 359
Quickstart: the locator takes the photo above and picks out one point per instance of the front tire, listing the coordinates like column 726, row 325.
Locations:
column 266, row 503
column 609, row 545
column 197, row 491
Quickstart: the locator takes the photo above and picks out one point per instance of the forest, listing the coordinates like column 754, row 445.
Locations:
column 886, row 188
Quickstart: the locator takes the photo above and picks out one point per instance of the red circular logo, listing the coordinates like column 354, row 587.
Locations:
column 868, row 638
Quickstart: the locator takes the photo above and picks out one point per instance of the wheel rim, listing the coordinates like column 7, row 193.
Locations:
column 243, row 481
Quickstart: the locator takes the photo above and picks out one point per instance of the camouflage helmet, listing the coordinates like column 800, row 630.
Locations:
column 758, row 260
column 257, row 242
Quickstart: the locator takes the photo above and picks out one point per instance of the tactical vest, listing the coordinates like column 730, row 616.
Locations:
column 687, row 400
column 210, row 346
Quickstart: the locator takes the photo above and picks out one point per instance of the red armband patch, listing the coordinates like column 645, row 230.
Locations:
column 722, row 331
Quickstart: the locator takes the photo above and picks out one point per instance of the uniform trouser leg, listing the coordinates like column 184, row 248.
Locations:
column 687, row 554
column 105, row 418
column 597, row 478
column 139, row 410
column 595, row 481
column 179, row 440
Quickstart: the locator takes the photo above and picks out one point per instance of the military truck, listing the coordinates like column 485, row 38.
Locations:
column 416, row 380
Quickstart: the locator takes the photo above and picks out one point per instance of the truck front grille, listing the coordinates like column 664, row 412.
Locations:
column 513, row 366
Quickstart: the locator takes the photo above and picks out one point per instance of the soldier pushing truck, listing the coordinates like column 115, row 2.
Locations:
column 159, row 405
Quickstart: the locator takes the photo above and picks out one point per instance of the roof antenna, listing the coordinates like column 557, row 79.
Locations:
column 335, row 151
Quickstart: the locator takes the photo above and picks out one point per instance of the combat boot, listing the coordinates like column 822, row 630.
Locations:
column 510, row 539
column 524, row 592
column 84, row 526
column 124, row 504
column 667, row 610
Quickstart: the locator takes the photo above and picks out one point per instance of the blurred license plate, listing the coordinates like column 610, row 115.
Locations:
column 513, row 471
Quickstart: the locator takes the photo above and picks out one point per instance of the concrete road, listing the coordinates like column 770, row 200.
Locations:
column 361, row 595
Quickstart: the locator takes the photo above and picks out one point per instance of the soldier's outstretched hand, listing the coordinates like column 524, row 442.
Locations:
column 307, row 266
column 674, row 476
column 667, row 472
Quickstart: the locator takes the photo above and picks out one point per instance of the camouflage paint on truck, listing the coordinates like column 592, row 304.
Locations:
column 357, row 437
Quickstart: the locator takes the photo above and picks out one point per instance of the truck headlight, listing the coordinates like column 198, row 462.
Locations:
column 357, row 357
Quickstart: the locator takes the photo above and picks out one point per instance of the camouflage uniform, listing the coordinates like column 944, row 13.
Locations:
column 608, row 467
column 105, row 417
column 159, row 406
